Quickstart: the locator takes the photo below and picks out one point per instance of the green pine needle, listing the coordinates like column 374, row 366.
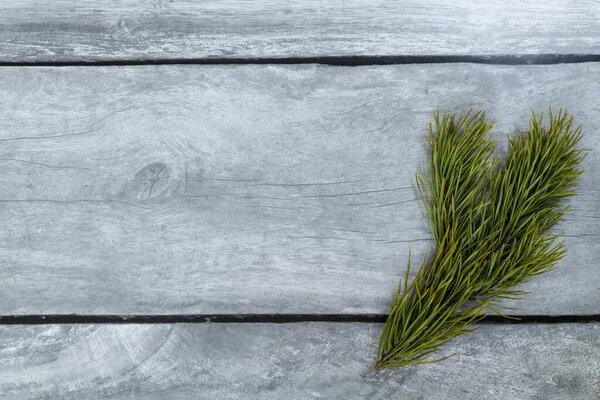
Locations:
column 490, row 225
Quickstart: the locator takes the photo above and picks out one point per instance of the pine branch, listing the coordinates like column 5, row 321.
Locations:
column 491, row 228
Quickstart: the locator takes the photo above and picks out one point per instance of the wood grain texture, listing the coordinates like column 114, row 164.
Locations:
column 297, row 361
column 252, row 189
column 68, row 30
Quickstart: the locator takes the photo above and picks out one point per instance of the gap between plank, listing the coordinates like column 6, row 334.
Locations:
column 263, row 318
column 342, row 61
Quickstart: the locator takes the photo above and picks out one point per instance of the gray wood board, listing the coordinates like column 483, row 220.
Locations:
column 67, row 30
column 252, row 189
column 291, row 361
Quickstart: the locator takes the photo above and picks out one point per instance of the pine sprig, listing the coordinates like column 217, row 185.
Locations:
column 491, row 227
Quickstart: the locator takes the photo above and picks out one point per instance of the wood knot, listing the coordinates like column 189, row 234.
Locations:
column 151, row 180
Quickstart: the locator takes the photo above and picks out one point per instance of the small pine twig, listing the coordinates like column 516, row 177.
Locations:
column 491, row 227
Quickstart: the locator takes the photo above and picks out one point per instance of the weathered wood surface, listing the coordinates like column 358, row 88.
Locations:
column 34, row 30
column 252, row 189
column 291, row 361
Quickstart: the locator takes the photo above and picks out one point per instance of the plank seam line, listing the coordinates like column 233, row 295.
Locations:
column 341, row 61
column 263, row 318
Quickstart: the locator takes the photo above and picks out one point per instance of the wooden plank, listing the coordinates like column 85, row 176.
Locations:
column 252, row 189
column 291, row 361
column 68, row 30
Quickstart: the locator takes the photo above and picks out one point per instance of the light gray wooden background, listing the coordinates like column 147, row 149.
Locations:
column 196, row 189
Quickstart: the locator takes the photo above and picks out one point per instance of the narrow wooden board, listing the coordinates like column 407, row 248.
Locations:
column 69, row 30
column 252, row 189
column 291, row 361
